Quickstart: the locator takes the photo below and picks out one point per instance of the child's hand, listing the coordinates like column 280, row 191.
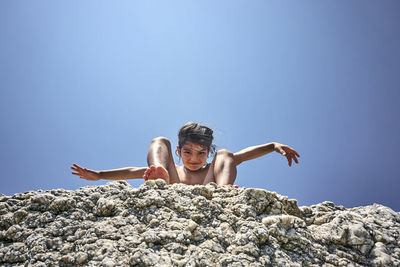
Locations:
column 85, row 173
column 288, row 152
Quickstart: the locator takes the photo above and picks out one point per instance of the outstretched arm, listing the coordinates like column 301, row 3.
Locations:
column 117, row 174
column 261, row 150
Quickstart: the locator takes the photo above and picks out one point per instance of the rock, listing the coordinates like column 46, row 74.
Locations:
column 104, row 207
column 180, row 225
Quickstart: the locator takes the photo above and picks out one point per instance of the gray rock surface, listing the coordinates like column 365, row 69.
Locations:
column 179, row 225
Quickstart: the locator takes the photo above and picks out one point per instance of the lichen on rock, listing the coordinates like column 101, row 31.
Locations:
column 181, row 225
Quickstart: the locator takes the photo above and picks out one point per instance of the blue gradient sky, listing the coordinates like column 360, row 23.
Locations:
column 92, row 82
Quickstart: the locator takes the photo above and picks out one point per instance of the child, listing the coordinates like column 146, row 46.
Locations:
column 195, row 145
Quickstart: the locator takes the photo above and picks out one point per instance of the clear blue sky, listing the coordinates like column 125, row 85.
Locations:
column 92, row 82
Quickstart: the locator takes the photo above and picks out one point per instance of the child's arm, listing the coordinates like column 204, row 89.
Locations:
column 261, row 150
column 117, row 174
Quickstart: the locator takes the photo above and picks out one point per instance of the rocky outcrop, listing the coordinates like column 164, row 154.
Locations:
column 179, row 225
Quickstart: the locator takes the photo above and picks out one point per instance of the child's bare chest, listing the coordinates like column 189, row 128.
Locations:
column 192, row 178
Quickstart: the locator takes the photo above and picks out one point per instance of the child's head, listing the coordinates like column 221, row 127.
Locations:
column 195, row 144
column 196, row 133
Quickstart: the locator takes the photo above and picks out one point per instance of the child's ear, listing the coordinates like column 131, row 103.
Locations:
column 179, row 151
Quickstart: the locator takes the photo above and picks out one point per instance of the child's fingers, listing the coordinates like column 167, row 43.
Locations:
column 291, row 150
column 76, row 166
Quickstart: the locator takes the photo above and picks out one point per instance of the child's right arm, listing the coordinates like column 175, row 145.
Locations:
column 116, row 174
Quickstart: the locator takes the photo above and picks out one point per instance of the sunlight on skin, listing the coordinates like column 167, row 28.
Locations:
column 194, row 157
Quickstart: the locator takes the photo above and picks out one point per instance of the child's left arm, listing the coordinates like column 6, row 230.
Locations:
column 261, row 150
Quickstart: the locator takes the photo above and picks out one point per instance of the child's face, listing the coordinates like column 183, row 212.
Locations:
column 193, row 155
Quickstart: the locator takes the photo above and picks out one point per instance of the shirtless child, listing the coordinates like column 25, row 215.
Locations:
column 195, row 146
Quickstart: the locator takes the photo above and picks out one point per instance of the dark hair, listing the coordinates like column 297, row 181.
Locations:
column 196, row 133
